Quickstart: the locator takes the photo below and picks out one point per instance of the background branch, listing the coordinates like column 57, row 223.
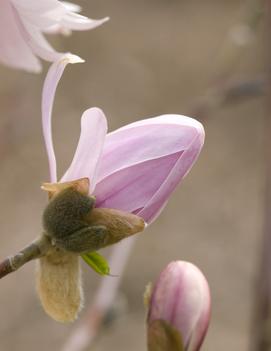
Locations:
column 261, row 323
column 85, row 333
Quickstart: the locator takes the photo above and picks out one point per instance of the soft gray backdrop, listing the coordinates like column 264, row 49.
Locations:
column 153, row 57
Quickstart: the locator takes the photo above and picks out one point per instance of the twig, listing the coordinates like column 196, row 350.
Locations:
column 30, row 252
column 231, row 92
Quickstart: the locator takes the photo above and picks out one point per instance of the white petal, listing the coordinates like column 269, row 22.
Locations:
column 75, row 21
column 89, row 149
column 48, row 94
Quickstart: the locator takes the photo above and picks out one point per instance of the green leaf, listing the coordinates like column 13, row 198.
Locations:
column 97, row 262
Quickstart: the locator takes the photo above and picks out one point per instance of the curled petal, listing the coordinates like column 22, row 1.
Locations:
column 24, row 23
column 143, row 162
column 48, row 94
column 74, row 21
column 181, row 298
column 46, row 13
column 89, row 149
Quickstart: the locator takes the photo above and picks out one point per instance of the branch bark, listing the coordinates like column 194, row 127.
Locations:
column 34, row 250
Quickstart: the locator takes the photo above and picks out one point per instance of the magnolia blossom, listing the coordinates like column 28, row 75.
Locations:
column 181, row 298
column 136, row 167
column 23, row 24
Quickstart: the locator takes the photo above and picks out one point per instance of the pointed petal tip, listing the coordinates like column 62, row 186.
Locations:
column 105, row 19
column 100, row 22
column 71, row 58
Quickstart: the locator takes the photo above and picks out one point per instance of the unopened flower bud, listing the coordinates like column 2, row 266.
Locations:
column 179, row 309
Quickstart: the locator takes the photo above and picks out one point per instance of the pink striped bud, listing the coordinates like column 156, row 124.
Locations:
column 179, row 309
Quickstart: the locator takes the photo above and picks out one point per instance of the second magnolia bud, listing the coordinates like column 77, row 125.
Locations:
column 179, row 309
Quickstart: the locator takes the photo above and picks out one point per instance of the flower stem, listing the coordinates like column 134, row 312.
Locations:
column 34, row 250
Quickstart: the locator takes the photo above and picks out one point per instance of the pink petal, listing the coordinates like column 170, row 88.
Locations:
column 89, row 149
column 130, row 189
column 181, row 297
column 14, row 51
column 48, row 94
column 183, row 165
column 143, row 162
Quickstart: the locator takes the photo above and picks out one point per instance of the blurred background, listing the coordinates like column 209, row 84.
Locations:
column 200, row 58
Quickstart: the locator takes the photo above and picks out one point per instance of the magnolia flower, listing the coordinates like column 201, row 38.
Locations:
column 130, row 173
column 23, row 24
column 179, row 308
column 116, row 184
column 133, row 169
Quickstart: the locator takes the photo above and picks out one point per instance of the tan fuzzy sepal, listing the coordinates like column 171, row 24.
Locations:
column 119, row 224
column 81, row 185
column 59, row 285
